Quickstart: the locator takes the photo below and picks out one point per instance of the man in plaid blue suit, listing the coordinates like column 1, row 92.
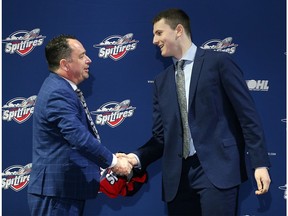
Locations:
column 67, row 153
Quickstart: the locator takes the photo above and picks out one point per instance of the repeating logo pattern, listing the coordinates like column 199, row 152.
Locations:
column 19, row 109
column 16, row 177
column 284, row 188
column 224, row 45
column 23, row 42
column 113, row 113
column 116, row 46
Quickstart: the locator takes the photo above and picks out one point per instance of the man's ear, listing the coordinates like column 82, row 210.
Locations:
column 179, row 30
column 64, row 65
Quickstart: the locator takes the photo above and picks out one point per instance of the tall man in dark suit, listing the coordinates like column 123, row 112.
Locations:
column 222, row 125
column 67, row 151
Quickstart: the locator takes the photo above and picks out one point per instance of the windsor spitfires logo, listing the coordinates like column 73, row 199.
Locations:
column 19, row 109
column 16, row 177
column 116, row 46
column 224, row 45
column 23, row 42
column 113, row 113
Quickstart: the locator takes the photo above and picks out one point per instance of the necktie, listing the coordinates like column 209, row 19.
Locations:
column 82, row 99
column 180, row 83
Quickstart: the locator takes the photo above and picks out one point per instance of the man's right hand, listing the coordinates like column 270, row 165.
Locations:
column 122, row 167
column 130, row 157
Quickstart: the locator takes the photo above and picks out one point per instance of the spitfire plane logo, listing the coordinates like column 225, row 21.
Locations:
column 113, row 113
column 19, row 109
column 224, row 45
column 116, row 46
column 16, row 177
column 23, row 42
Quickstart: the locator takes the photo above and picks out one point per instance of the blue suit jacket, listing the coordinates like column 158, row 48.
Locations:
column 222, row 118
column 66, row 155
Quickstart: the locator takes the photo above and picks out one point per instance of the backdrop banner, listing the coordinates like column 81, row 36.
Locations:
column 117, row 36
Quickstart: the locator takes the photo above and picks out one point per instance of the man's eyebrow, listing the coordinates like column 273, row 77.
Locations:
column 157, row 31
column 83, row 53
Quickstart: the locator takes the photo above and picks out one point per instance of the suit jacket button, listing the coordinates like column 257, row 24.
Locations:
column 180, row 155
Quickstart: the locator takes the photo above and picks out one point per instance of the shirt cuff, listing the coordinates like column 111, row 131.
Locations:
column 114, row 161
column 262, row 167
column 138, row 161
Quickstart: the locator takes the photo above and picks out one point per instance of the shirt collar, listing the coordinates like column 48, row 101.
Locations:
column 189, row 55
column 73, row 85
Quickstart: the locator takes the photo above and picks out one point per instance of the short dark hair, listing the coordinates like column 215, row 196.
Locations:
column 173, row 17
column 57, row 49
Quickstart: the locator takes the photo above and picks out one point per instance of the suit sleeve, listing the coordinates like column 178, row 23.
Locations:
column 238, row 93
column 63, row 110
column 153, row 149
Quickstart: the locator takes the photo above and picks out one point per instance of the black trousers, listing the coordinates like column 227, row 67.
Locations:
column 197, row 196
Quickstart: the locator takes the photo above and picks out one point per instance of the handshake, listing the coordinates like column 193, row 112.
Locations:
column 122, row 179
column 125, row 164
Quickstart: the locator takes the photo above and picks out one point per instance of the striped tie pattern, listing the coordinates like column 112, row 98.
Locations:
column 82, row 99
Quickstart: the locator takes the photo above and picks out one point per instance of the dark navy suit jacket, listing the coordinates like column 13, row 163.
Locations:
column 66, row 155
column 222, row 118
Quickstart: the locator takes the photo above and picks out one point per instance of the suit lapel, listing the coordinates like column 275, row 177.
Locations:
column 172, row 96
column 198, row 62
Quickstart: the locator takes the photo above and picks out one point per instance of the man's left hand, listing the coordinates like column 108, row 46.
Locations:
column 262, row 179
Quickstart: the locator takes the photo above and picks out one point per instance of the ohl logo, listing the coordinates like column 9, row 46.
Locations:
column 19, row 109
column 224, row 45
column 113, row 113
column 116, row 46
column 257, row 85
column 16, row 177
column 23, row 42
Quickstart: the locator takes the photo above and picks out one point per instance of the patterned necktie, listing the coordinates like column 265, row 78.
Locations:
column 180, row 83
column 82, row 99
